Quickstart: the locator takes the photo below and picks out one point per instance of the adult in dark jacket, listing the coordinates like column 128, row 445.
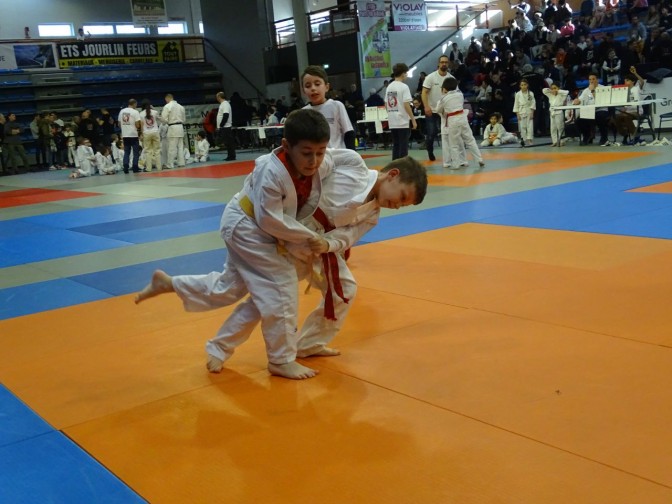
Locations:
column 13, row 144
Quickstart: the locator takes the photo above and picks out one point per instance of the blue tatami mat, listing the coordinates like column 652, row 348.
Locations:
column 120, row 281
column 24, row 249
column 575, row 206
column 169, row 231
column 43, row 296
column 17, row 421
column 587, row 212
column 50, row 468
column 114, row 213
column 654, row 224
column 152, row 221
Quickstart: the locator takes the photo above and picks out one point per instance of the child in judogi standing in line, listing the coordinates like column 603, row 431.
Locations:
column 556, row 98
column 524, row 107
column 456, row 122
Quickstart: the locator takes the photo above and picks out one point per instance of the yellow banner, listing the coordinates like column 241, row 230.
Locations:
column 127, row 52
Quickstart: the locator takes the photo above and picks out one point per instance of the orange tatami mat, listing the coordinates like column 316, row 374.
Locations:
column 544, row 163
column 665, row 187
column 476, row 367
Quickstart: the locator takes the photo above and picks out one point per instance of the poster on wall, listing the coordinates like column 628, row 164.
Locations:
column 409, row 16
column 13, row 56
column 148, row 12
column 128, row 52
column 374, row 39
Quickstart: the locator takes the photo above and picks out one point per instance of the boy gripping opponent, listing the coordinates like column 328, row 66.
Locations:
column 285, row 186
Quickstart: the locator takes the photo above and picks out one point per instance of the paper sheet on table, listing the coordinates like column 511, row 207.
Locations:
column 379, row 127
column 371, row 113
column 587, row 112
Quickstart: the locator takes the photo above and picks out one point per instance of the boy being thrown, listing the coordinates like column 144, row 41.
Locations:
column 352, row 196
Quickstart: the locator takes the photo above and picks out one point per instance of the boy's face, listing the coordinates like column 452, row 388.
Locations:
column 393, row 193
column 493, row 120
column 305, row 156
column 523, row 86
column 315, row 89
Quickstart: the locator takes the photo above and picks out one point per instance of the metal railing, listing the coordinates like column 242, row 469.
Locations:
column 333, row 22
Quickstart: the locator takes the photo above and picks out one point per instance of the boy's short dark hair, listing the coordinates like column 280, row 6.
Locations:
column 449, row 84
column 410, row 172
column 399, row 69
column 201, row 133
column 316, row 71
column 306, row 124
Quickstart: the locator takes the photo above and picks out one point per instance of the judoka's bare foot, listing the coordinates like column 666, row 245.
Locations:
column 292, row 370
column 161, row 283
column 324, row 351
column 214, row 364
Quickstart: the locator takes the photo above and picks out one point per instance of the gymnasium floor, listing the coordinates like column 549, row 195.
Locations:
column 511, row 342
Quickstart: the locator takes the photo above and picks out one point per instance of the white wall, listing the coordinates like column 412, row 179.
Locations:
column 78, row 12
column 282, row 9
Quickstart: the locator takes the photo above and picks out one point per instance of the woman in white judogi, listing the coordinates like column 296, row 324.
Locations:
column 151, row 140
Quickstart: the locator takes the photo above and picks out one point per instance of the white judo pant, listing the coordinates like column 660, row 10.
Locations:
column 253, row 266
column 526, row 127
column 175, row 150
column 318, row 331
column 557, row 127
column 462, row 139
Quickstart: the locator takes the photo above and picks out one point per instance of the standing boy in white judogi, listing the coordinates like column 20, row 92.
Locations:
column 524, row 107
column 284, row 187
column 556, row 98
column 451, row 107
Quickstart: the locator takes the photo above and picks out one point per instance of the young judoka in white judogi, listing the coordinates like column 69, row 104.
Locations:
column 86, row 160
column 451, row 108
column 352, row 196
column 524, row 107
column 284, row 187
column 446, row 151
column 556, row 98
column 201, row 147
column 493, row 133
column 104, row 161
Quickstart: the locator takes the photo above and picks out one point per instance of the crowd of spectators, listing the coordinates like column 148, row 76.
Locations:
column 554, row 44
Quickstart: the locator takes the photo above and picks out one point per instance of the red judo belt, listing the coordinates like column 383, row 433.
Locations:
column 331, row 273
